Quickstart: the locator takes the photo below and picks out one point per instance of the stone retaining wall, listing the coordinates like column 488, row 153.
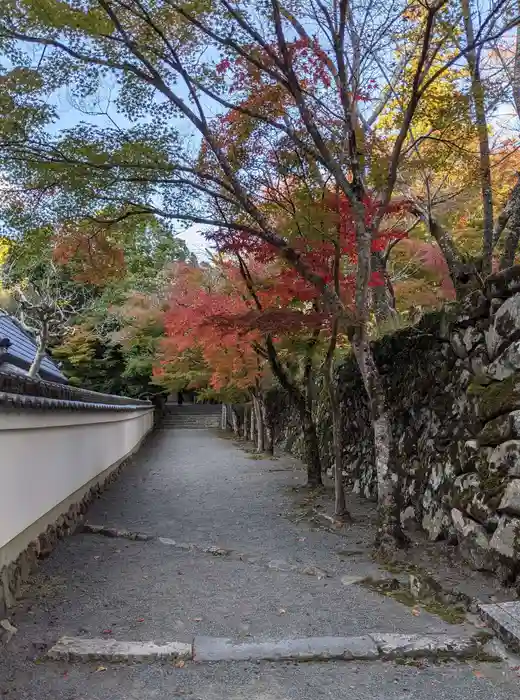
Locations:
column 453, row 390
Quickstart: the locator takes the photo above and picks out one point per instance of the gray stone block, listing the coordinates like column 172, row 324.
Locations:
column 505, row 459
column 506, row 364
column 510, row 502
column 504, row 618
column 505, row 537
column 393, row 646
column 496, row 431
column 80, row 649
column 305, row 649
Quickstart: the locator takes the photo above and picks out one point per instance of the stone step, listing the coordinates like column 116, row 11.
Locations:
column 193, row 421
column 193, row 409
column 368, row 647
column 504, row 619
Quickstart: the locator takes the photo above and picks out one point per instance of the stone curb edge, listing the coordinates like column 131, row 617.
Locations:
column 368, row 647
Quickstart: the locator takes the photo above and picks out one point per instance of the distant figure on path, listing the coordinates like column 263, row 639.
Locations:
column 180, row 398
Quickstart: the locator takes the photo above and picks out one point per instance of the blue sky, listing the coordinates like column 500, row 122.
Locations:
column 69, row 116
column 71, row 112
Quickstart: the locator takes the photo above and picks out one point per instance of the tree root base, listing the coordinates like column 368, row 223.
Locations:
column 389, row 542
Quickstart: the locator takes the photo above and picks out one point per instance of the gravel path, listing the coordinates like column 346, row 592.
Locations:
column 274, row 576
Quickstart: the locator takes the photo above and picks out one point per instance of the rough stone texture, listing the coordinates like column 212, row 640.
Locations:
column 364, row 648
column 510, row 502
column 452, row 385
column 496, row 431
column 504, row 618
column 506, row 364
column 474, row 542
column 80, row 649
column 395, row 646
column 505, row 538
column 305, row 649
column 505, row 459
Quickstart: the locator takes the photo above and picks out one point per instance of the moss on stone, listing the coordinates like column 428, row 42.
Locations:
column 497, row 398
column 392, row 588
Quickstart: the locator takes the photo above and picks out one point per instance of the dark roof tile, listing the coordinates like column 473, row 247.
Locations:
column 23, row 346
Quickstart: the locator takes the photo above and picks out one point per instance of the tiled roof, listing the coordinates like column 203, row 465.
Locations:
column 23, row 348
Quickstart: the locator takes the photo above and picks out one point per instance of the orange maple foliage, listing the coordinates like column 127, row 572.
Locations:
column 90, row 252
column 198, row 298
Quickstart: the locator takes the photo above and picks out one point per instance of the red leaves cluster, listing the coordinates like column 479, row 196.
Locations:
column 199, row 297
column 89, row 253
column 225, row 310
column 259, row 90
column 319, row 255
column 311, row 62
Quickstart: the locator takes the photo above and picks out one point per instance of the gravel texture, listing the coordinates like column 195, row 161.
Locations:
column 195, row 487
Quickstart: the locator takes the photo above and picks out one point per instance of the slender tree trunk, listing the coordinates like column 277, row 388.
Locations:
column 302, row 404
column 383, row 297
column 234, row 421
column 268, row 428
column 40, row 354
column 223, row 417
column 478, row 95
column 311, row 446
column 516, row 69
column 390, row 532
column 245, row 424
column 252, row 422
column 340, row 506
column 260, row 432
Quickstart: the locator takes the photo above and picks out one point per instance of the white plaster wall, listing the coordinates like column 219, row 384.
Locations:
column 47, row 455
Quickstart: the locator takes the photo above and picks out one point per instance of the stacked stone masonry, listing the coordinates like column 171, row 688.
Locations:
column 452, row 386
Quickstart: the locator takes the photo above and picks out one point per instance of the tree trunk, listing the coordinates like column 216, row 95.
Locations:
column 478, row 96
column 340, row 507
column 223, row 417
column 260, row 432
column 516, row 69
column 38, row 358
column 244, row 425
column 383, row 297
column 268, row 427
column 234, row 421
column 311, row 446
column 390, row 533
column 252, row 422
column 302, row 405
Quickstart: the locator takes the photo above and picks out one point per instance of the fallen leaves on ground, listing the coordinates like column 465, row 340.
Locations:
column 416, row 612
column 180, row 664
column 101, row 668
